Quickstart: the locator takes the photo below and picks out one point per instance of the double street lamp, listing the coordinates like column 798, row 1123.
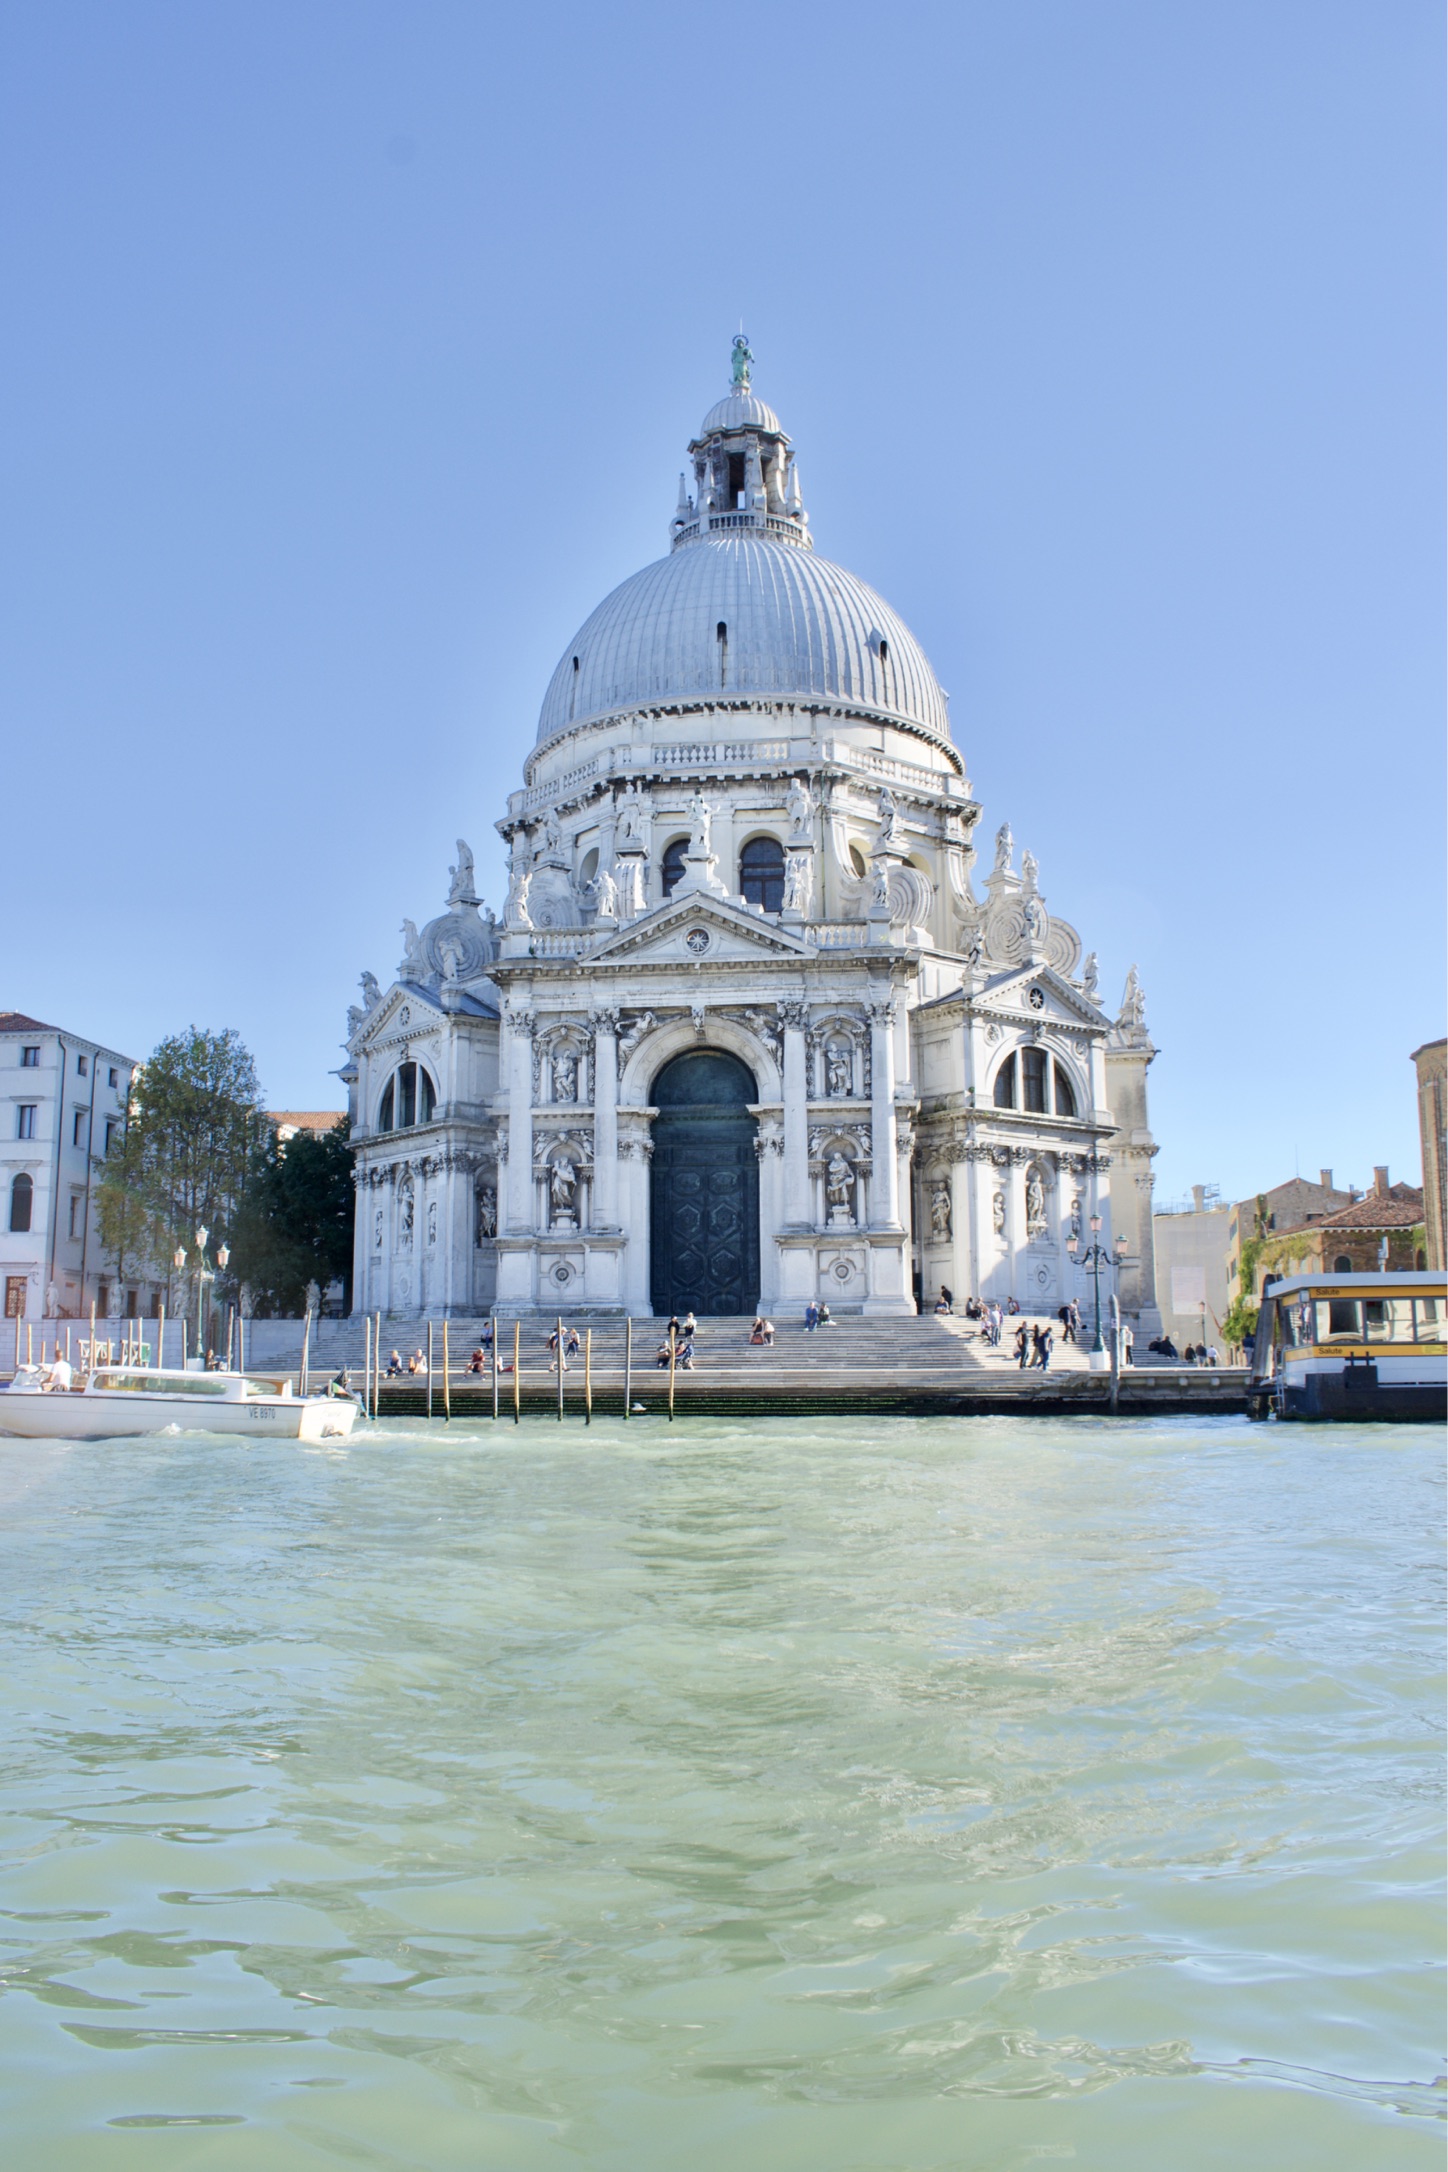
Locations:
column 203, row 1273
column 1096, row 1256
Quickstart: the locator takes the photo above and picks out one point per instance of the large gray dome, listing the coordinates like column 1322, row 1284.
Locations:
column 795, row 625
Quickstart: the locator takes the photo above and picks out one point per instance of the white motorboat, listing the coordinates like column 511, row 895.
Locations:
column 120, row 1399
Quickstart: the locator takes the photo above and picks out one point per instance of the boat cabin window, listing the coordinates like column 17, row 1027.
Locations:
column 261, row 1387
column 1365, row 1319
column 149, row 1383
column 1428, row 1319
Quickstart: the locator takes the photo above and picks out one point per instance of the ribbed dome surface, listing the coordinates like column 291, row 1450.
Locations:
column 740, row 411
column 797, row 625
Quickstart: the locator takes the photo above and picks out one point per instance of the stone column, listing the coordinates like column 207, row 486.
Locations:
column 796, row 1118
column 886, row 1201
column 521, row 1025
column 605, row 1119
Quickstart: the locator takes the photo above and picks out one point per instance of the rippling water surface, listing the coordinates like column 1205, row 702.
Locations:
column 866, row 1796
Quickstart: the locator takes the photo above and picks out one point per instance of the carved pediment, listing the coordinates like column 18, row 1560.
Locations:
column 405, row 1013
column 698, row 930
column 1037, row 992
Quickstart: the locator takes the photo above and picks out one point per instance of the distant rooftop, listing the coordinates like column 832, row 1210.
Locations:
column 318, row 1121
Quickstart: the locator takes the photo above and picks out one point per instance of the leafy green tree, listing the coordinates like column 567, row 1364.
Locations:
column 294, row 1225
column 193, row 1130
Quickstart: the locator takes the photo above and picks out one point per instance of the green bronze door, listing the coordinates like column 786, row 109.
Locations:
column 704, row 1187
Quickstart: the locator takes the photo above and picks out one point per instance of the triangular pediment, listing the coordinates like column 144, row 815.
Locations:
column 672, row 934
column 386, row 1020
column 1009, row 995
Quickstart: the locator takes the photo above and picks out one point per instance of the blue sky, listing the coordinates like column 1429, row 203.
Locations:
column 352, row 351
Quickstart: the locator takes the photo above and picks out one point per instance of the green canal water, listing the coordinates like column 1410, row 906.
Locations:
column 842, row 1796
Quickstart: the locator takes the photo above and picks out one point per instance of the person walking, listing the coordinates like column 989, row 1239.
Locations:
column 1068, row 1332
column 1023, row 1346
column 1043, row 1348
column 1127, row 1339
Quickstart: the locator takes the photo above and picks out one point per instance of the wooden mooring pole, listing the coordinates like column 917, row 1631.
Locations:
column 673, row 1367
column 517, row 1366
column 446, row 1389
column 627, row 1366
column 588, row 1376
column 429, row 1368
column 493, row 1362
column 558, row 1324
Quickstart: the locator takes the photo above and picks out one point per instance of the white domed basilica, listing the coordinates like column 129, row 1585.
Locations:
column 751, row 1030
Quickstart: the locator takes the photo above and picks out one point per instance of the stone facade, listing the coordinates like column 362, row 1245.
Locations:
column 1431, row 1064
column 745, row 830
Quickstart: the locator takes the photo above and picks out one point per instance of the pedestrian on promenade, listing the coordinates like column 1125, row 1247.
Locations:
column 1068, row 1331
column 1023, row 1346
column 1127, row 1339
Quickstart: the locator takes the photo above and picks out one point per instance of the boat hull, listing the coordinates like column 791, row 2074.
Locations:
column 27, row 1416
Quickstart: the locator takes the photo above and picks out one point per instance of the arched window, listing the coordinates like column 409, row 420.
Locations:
column 409, row 1098
column 761, row 873
column 1033, row 1080
column 673, row 866
column 1005, row 1085
column 857, row 862
column 589, row 867
column 1342, row 1265
column 1065, row 1098
column 721, row 635
column 22, row 1193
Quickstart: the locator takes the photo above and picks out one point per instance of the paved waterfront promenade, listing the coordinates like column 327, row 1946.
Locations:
column 888, row 1367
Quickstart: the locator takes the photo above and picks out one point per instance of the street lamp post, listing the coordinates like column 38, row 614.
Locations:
column 1096, row 1256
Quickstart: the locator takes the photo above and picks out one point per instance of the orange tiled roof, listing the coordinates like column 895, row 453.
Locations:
column 1399, row 1207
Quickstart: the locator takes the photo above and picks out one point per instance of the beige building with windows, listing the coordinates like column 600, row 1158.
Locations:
column 63, row 1100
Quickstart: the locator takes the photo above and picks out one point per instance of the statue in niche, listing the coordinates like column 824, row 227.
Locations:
column 800, row 808
column 1133, row 1002
column 552, row 839
column 940, row 1209
column 487, row 1215
column 701, row 819
column 405, row 1206
column 371, row 993
column 880, row 888
column 1075, row 1228
column 377, row 1230
column 432, row 1221
column 605, row 894
column 1033, row 923
column 887, row 834
column 565, row 1076
column 461, row 891
column 1005, row 846
column 626, row 821
column 1035, row 1204
column 839, row 1185
column 998, row 1213
column 562, row 1177
column 838, row 1081
column 798, row 882
column 1090, row 975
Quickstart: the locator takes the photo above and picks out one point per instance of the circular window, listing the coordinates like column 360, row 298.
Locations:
column 1038, row 999
column 697, row 941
